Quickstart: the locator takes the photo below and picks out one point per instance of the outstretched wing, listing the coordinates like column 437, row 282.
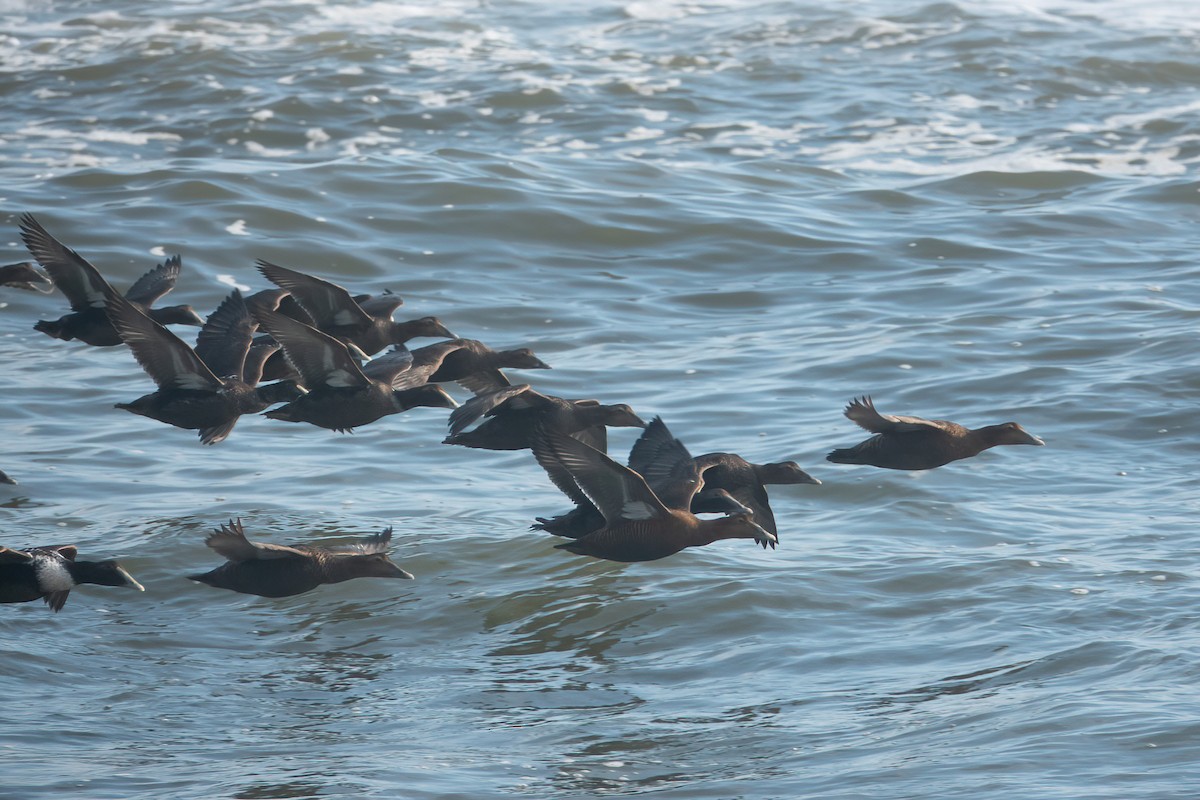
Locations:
column 164, row 356
column 73, row 274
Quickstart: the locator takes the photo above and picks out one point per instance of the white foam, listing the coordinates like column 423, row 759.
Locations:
column 268, row 152
column 237, row 228
column 231, row 281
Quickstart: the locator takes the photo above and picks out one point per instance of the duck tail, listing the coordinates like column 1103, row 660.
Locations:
column 843, row 456
column 52, row 328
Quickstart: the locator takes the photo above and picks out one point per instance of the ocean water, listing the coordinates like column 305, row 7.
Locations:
column 737, row 215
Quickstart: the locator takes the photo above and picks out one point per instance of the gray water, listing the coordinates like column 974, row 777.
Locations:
column 738, row 215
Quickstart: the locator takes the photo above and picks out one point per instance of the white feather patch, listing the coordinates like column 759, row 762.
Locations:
column 52, row 575
column 636, row 509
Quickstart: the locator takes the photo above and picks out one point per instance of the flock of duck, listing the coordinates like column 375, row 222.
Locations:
column 306, row 351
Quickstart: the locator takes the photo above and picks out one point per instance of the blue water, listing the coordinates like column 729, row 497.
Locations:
column 738, row 215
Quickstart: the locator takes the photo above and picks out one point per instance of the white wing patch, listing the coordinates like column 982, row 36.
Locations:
column 636, row 509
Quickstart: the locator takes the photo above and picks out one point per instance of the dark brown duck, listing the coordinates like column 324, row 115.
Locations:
column 916, row 443
column 341, row 396
column 471, row 364
column 638, row 526
column 272, row 570
column 364, row 320
column 86, row 289
column 206, row 389
column 515, row 412
column 50, row 573
column 744, row 482
column 24, row 275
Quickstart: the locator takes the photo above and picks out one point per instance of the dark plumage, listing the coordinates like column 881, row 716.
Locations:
column 340, row 395
column 916, row 443
column 745, row 483
column 24, row 275
column 714, row 483
column 51, row 572
column 515, row 412
column 86, row 289
column 272, row 570
column 661, row 459
column 5, row 479
column 638, row 525
column 471, row 363
column 205, row 389
column 364, row 320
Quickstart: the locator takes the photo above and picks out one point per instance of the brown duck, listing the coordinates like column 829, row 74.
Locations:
column 471, row 364
column 341, row 396
column 638, row 525
column 515, row 412
column 916, row 443
column 364, row 320
column 205, row 389
column 24, row 275
column 86, row 289
column 272, row 570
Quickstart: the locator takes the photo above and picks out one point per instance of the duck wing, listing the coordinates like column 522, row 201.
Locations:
column 155, row 283
column 10, row 556
column 224, row 340
column 484, row 380
column 327, row 303
column 617, row 491
column 596, row 436
column 666, row 464
column 395, row 367
column 488, row 403
column 376, row 543
column 320, row 359
column 861, row 411
column 230, row 542
column 164, row 356
column 73, row 274
column 381, row 305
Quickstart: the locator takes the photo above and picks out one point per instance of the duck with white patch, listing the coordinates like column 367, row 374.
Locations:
column 638, row 525
column 273, row 570
column 51, row 573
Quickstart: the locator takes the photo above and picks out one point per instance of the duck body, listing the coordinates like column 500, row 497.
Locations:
column 342, row 409
column 87, row 291
column 91, row 326
column 340, row 395
column 637, row 525
column 914, row 443
column 191, row 392
column 363, row 320
column 269, row 570
column 514, row 413
column 49, row 573
column 210, row 412
column 744, row 482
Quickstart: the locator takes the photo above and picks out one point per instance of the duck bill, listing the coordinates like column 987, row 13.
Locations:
column 129, row 580
column 402, row 574
column 1029, row 438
